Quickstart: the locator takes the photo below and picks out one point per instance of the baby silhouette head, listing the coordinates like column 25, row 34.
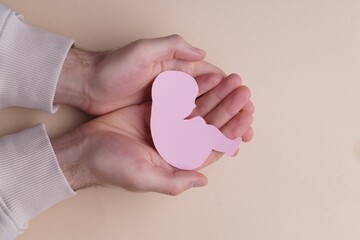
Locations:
column 175, row 92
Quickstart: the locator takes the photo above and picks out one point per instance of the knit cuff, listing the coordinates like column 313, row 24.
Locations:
column 31, row 180
column 30, row 64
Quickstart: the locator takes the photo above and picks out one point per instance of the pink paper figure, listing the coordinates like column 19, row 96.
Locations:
column 183, row 143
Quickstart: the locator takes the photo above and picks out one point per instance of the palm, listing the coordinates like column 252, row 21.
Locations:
column 123, row 77
column 123, row 146
column 131, row 124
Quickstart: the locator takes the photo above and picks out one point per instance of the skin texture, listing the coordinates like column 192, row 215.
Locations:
column 116, row 149
column 102, row 82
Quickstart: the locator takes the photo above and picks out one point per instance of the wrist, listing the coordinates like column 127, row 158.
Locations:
column 69, row 154
column 76, row 74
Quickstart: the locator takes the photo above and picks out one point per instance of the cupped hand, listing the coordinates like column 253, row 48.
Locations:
column 100, row 83
column 116, row 149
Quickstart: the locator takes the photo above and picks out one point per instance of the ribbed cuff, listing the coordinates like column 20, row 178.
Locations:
column 31, row 180
column 8, row 229
column 30, row 64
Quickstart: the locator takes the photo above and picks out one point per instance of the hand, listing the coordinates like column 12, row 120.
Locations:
column 100, row 83
column 116, row 149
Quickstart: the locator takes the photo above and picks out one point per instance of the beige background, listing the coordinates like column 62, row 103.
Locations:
column 300, row 176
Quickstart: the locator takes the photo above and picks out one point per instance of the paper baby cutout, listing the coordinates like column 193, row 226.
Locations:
column 183, row 143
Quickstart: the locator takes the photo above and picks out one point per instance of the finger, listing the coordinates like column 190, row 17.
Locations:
column 195, row 69
column 248, row 135
column 249, row 107
column 173, row 182
column 170, row 47
column 207, row 82
column 229, row 107
column 238, row 126
column 211, row 99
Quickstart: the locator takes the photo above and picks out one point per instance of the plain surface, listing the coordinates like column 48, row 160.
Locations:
column 300, row 176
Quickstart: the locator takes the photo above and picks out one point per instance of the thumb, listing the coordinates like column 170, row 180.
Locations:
column 173, row 182
column 173, row 47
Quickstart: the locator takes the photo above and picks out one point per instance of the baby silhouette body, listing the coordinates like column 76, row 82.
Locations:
column 183, row 143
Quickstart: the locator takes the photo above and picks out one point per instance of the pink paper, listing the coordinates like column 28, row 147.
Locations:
column 183, row 143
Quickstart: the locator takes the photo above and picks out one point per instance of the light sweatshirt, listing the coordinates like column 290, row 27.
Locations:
column 31, row 180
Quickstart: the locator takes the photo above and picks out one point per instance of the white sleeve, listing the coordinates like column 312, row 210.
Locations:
column 30, row 178
column 30, row 63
